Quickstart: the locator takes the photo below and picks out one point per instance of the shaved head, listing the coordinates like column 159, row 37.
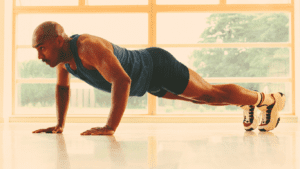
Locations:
column 47, row 31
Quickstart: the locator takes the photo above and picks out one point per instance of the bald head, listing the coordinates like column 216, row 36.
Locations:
column 47, row 31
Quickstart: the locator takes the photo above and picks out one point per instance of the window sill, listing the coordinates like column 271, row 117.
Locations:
column 141, row 119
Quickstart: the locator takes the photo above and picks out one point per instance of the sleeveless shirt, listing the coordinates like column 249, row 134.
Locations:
column 137, row 64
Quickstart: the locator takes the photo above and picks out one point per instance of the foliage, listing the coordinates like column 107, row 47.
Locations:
column 209, row 62
column 244, row 62
column 36, row 69
column 37, row 94
column 44, row 94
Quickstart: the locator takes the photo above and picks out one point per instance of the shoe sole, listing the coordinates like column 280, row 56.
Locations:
column 275, row 119
column 275, row 126
column 256, row 121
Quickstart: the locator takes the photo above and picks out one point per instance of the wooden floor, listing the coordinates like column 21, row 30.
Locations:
column 148, row 145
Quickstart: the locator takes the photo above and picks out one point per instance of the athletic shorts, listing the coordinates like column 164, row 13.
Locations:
column 169, row 75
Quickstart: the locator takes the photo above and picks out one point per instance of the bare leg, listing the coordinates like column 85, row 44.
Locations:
column 171, row 96
column 228, row 94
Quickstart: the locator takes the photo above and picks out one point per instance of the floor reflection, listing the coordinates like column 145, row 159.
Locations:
column 62, row 161
column 118, row 154
column 154, row 148
column 266, row 148
column 232, row 151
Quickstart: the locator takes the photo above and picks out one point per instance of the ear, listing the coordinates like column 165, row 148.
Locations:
column 60, row 41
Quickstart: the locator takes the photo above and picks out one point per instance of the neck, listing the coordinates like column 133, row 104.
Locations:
column 67, row 56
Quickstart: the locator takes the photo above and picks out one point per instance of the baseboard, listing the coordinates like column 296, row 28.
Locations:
column 143, row 119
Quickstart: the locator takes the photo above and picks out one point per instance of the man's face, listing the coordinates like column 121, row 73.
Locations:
column 48, row 52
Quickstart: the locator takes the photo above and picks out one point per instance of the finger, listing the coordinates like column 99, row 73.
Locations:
column 44, row 130
column 88, row 132
column 97, row 133
column 92, row 130
column 48, row 131
column 85, row 133
column 39, row 131
column 36, row 131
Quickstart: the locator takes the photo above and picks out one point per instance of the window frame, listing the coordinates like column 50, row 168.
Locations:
column 152, row 9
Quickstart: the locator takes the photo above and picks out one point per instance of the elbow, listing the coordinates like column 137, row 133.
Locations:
column 127, row 80
column 124, row 81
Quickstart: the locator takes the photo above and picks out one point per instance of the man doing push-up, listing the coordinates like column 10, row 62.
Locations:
column 126, row 73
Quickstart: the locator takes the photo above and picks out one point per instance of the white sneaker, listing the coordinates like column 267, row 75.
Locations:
column 270, row 113
column 251, row 117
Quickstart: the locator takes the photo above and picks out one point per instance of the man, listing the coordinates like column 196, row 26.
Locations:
column 125, row 73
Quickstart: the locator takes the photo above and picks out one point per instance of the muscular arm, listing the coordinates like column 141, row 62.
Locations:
column 62, row 103
column 119, row 93
column 62, row 95
column 101, row 56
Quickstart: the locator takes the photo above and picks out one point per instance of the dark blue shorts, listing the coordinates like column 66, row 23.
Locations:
column 169, row 75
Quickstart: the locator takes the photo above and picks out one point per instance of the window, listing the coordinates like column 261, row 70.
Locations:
column 252, row 44
column 46, row 3
column 185, row 2
column 117, row 2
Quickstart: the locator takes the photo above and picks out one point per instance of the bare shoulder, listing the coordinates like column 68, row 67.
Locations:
column 86, row 41
column 89, row 44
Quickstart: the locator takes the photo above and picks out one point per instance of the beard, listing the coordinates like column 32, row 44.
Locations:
column 61, row 55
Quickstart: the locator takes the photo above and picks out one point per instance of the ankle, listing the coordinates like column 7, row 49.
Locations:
column 260, row 98
column 266, row 99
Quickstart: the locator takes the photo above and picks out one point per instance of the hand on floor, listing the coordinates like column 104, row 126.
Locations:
column 55, row 129
column 99, row 131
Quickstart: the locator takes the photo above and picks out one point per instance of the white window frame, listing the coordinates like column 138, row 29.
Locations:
column 152, row 9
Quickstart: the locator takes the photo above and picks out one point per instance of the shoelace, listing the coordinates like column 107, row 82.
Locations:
column 266, row 117
column 250, row 114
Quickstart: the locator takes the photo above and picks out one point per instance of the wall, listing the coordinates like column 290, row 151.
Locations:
column 1, row 58
column 297, row 57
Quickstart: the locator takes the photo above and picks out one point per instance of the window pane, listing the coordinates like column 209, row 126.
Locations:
column 46, row 2
column 222, row 27
column 235, row 62
column 40, row 99
column 182, row 107
column 35, row 99
column 117, row 2
column 135, row 105
column 84, row 98
column 186, row 2
column 29, row 66
column 116, row 28
column 258, row 1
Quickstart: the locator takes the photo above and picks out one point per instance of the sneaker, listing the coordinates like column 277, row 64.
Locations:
column 270, row 113
column 251, row 117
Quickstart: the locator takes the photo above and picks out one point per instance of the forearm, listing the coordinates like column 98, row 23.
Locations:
column 62, row 103
column 120, row 93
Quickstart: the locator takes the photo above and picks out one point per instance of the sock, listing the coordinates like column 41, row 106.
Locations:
column 260, row 98
column 266, row 99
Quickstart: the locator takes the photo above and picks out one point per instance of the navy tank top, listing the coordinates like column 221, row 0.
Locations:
column 137, row 64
